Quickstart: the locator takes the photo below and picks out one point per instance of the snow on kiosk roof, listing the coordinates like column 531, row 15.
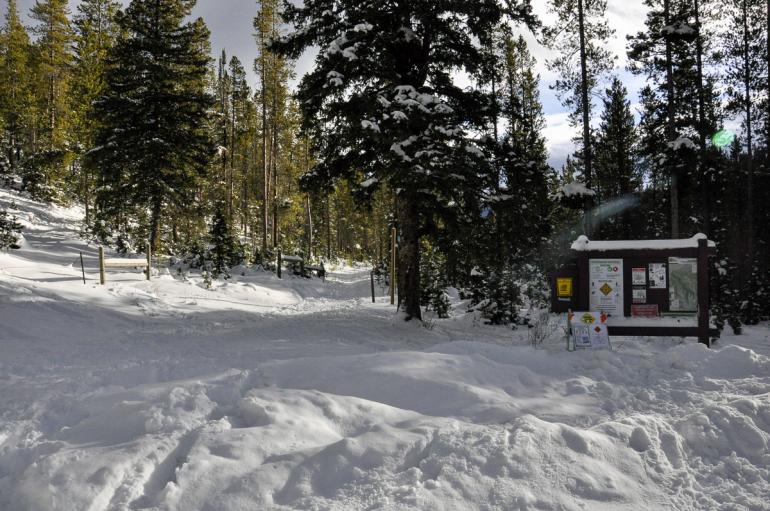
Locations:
column 583, row 244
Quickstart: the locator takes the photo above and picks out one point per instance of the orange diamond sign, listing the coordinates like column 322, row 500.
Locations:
column 606, row 289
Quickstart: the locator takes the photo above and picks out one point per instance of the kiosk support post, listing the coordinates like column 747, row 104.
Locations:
column 703, row 293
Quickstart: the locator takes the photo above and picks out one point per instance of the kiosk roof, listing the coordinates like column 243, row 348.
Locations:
column 583, row 244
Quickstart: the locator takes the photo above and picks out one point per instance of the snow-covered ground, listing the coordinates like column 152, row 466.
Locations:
column 291, row 394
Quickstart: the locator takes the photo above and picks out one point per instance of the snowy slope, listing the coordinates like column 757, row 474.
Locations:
column 292, row 394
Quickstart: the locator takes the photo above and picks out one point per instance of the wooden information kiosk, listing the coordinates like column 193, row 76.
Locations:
column 646, row 287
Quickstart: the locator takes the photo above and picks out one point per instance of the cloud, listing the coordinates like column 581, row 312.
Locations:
column 558, row 135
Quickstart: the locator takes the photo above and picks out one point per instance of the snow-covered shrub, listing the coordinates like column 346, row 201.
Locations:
column 498, row 297
column 9, row 231
column 225, row 250
column 433, row 281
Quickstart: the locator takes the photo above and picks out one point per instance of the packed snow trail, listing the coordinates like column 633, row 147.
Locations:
column 295, row 394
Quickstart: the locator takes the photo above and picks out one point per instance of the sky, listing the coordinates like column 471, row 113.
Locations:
column 230, row 23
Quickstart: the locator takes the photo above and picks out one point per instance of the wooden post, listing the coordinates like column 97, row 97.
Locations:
column 703, row 293
column 280, row 263
column 102, row 278
column 393, row 266
column 371, row 277
column 149, row 260
column 302, row 267
column 82, row 268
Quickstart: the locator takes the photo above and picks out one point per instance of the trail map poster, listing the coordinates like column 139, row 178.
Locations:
column 683, row 288
column 606, row 291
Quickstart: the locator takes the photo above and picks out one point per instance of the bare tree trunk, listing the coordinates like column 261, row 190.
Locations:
column 587, row 149
column 155, row 221
column 749, row 144
column 704, row 176
column 670, row 126
column 265, row 177
column 328, row 230
column 409, row 256
column 274, row 158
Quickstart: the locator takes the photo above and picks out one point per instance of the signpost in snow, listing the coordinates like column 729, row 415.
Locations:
column 588, row 330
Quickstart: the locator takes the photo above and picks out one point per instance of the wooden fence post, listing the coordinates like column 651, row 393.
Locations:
column 280, row 263
column 393, row 266
column 371, row 277
column 82, row 268
column 703, row 293
column 149, row 260
column 302, row 267
column 102, row 278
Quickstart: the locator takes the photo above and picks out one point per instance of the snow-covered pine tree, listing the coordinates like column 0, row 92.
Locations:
column 516, row 230
column 224, row 251
column 153, row 145
column 384, row 108
column 9, row 231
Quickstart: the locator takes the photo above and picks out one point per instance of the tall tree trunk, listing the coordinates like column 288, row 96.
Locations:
column 309, row 227
column 587, row 153
column 671, row 126
column 409, row 256
column 155, row 223
column 749, row 144
column 231, row 188
column 705, row 178
column 274, row 158
column 328, row 230
column 265, row 177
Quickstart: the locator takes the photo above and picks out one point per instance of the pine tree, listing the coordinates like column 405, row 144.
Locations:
column 54, row 48
column 153, row 146
column 16, row 99
column 224, row 250
column 383, row 81
column 581, row 32
column 9, row 231
column 95, row 34
column 745, row 56
column 616, row 172
column 46, row 168
column 274, row 73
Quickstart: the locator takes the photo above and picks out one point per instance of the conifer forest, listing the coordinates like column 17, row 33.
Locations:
column 425, row 116
column 384, row 255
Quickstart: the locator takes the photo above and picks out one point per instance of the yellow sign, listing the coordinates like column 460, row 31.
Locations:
column 564, row 287
column 606, row 289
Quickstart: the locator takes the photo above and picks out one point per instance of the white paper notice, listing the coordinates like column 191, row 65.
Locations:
column 589, row 331
column 606, row 277
column 638, row 276
column 657, row 276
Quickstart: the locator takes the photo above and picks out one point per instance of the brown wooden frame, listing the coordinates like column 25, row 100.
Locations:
column 629, row 256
